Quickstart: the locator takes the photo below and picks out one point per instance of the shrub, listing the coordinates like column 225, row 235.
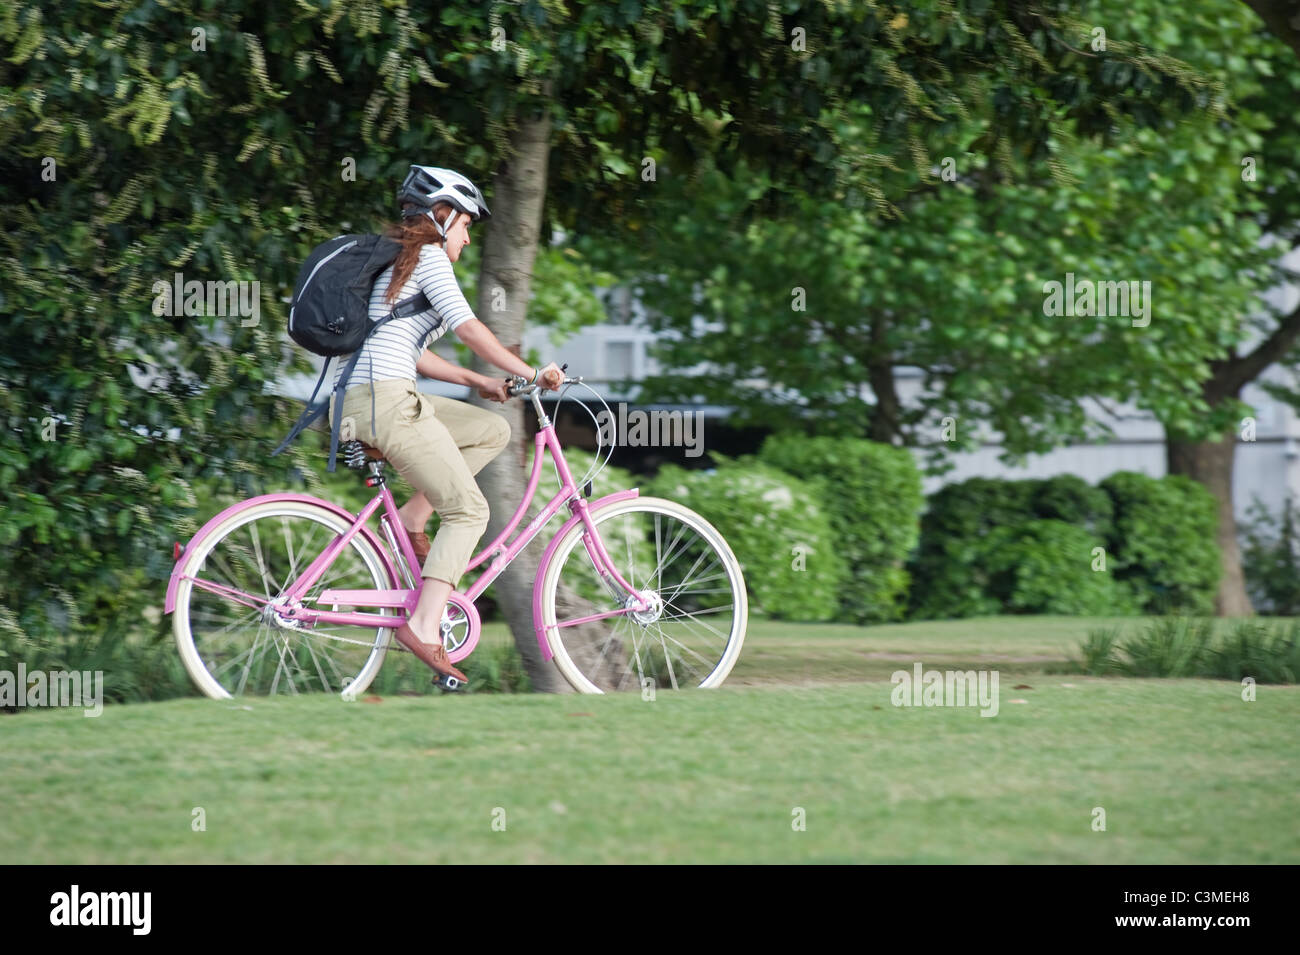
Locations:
column 776, row 526
column 1186, row 647
column 135, row 653
column 1163, row 541
column 949, row 573
column 496, row 668
column 1270, row 559
column 1170, row 647
column 1098, row 651
column 873, row 494
column 1048, row 566
column 609, row 480
column 1268, row 654
column 1069, row 498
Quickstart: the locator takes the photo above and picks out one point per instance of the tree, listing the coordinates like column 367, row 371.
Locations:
column 1264, row 78
column 1281, row 18
column 734, row 76
column 922, row 290
column 224, row 143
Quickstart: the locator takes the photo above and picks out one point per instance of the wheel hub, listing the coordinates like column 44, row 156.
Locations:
column 273, row 615
column 652, row 612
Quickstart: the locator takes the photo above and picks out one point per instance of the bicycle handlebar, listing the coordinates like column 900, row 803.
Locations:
column 518, row 386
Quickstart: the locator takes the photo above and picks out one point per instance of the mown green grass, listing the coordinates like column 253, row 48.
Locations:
column 1185, row 770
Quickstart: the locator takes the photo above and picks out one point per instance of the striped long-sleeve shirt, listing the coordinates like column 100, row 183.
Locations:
column 392, row 351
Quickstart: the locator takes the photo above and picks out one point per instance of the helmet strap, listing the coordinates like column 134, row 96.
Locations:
column 442, row 226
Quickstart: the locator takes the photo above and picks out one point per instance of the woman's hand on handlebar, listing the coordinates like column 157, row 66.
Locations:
column 551, row 377
column 493, row 389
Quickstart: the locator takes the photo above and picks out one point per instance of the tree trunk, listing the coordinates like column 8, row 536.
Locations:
column 885, row 426
column 1211, row 465
column 1281, row 18
column 518, row 191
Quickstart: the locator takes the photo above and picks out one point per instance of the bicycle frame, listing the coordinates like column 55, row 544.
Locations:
column 289, row 605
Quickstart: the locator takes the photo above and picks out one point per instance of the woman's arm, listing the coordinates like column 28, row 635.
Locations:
column 487, row 346
column 432, row 365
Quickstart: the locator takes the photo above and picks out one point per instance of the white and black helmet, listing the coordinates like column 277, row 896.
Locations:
column 425, row 186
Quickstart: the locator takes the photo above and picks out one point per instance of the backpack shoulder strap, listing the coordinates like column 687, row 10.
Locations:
column 412, row 306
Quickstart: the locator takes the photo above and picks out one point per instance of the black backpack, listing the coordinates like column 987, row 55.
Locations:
column 330, row 315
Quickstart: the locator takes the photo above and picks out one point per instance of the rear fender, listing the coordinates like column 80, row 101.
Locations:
column 210, row 526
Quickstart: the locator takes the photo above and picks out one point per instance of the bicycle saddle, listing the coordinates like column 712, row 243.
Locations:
column 355, row 452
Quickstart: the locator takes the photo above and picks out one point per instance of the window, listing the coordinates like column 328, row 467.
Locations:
column 619, row 360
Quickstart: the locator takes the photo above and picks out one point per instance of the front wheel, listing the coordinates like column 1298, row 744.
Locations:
column 691, row 634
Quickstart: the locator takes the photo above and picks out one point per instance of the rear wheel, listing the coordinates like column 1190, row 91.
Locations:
column 690, row 635
column 230, row 649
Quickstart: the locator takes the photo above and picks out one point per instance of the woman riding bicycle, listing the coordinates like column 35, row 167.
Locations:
column 436, row 444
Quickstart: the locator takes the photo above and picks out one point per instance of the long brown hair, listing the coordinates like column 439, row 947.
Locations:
column 412, row 233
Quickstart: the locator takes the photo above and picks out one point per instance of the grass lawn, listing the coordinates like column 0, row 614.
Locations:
column 1185, row 770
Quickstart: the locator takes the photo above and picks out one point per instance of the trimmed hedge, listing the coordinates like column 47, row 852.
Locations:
column 1050, row 566
column 873, row 494
column 777, row 527
column 1070, row 498
column 992, row 546
column 949, row 573
column 1165, row 541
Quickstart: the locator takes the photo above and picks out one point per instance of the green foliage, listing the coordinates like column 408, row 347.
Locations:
column 777, row 527
column 873, row 495
column 1266, row 653
column 978, row 250
column 1187, row 647
column 1047, row 566
column 1163, row 542
column 1097, row 651
column 1069, row 498
column 989, row 545
column 496, row 668
column 221, row 144
column 949, row 571
column 223, row 160
column 611, row 478
column 1270, row 559
column 136, row 655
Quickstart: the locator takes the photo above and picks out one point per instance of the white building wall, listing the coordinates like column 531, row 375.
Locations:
column 1267, row 468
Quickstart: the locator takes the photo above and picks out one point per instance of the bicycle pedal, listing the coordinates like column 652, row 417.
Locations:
column 449, row 684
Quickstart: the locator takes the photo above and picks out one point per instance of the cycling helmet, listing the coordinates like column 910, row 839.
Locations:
column 426, row 185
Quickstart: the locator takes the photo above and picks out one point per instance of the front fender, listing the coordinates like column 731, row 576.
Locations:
column 207, row 529
column 600, row 502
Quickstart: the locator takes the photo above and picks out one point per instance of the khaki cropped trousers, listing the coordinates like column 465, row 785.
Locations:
column 437, row 445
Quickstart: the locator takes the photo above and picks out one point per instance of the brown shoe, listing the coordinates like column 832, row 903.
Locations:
column 419, row 544
column 432, row 655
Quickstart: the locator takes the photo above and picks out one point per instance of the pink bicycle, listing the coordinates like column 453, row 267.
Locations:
column 270, row 595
